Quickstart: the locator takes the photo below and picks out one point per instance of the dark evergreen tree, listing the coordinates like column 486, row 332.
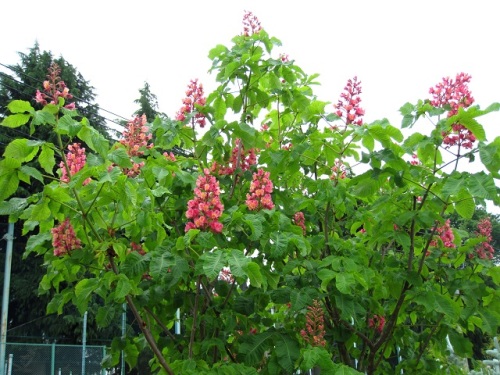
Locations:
column 27, row 317
column 28, row 76
column 148, row 104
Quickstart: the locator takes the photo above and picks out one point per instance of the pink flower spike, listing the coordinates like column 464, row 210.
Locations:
column 64, row 239
column 194, row 97
column 261, row 188
column 348, row 108
column 251, row 24
column 205, row 209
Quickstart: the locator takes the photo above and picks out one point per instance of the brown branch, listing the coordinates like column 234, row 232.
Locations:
column 142, row 325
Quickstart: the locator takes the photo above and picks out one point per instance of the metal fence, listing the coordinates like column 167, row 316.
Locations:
column 53, row 359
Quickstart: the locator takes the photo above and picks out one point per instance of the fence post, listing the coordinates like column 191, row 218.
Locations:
column 53, row 359
column 84, row 342
column 5, row 298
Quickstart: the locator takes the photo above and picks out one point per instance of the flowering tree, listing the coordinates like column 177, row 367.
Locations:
column 290, row 234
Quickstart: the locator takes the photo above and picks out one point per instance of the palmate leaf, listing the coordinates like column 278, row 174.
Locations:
column 161, row 261
column 287, row 351
column 211, row 263
column 482, row 185
column 83, row 291
column 255, row 224
column 106, row 315
column 238, row 263
column 135, row 264
column 255, row 346
column 9, row 181
column 19, row 149
column 490, row 156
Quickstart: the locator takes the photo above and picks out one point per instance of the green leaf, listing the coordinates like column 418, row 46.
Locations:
column 106, row 315
column 32, row 172
column 120, row 157
column 219, row 108
column 253, row 272
column 454, row 184
column 123, row 288
column 287, row 351
column 280, row 246
column 13, row 206
column 44, row 117
column 300, row 298
column 254, row 348
column 445, row 305
column 19, row 149
column 491, row 320
column 238, row 263
column 160, row 264
column 490, row 156
column 20, row 106
column 465, row 205
column 246, row 133
column 83, row 291
column 466, row 118
column 37, row 241
column 212, row 263
column 217, row 51
column 326, row 275
column 68, row 125
column 46, row 158
column 9, row 181
column 344, row 282
column 16, row 120
column 255, row 224
column 135, row 264
column 482, row 185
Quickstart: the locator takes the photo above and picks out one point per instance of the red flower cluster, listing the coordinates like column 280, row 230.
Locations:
column 206, row 208
column 455, row 94
column 135, row 138
column 194, row 96
column 377, row 322
column 338, row 171
column 446, row 235
column 314, row 333
column 226, row 275
column 299, row 220
column 348, row 105
column 240, row 159
column 414, row 160
column 137, row 247
column 484, row 250
column 64, row 238
column 53, row 89
column 170, row 156
column 260, row 192
column 75, row 158
column 251, row 24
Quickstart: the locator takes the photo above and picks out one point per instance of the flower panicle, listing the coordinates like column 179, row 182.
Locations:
column 314, row 331
column 261, row 188
column 348, row 107
column 75, row 161
column 195, row 96
column 64, row 239
column 54, row 88
column 205, row 209
column 251, row 24
column 455, row 94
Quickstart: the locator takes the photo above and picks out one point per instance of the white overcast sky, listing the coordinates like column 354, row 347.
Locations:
column 398, row 49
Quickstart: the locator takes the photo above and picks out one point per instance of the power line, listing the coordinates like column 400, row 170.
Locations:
column 75, row 97
column 25, row 84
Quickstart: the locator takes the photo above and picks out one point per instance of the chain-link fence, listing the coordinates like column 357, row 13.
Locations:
column 53, row 359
